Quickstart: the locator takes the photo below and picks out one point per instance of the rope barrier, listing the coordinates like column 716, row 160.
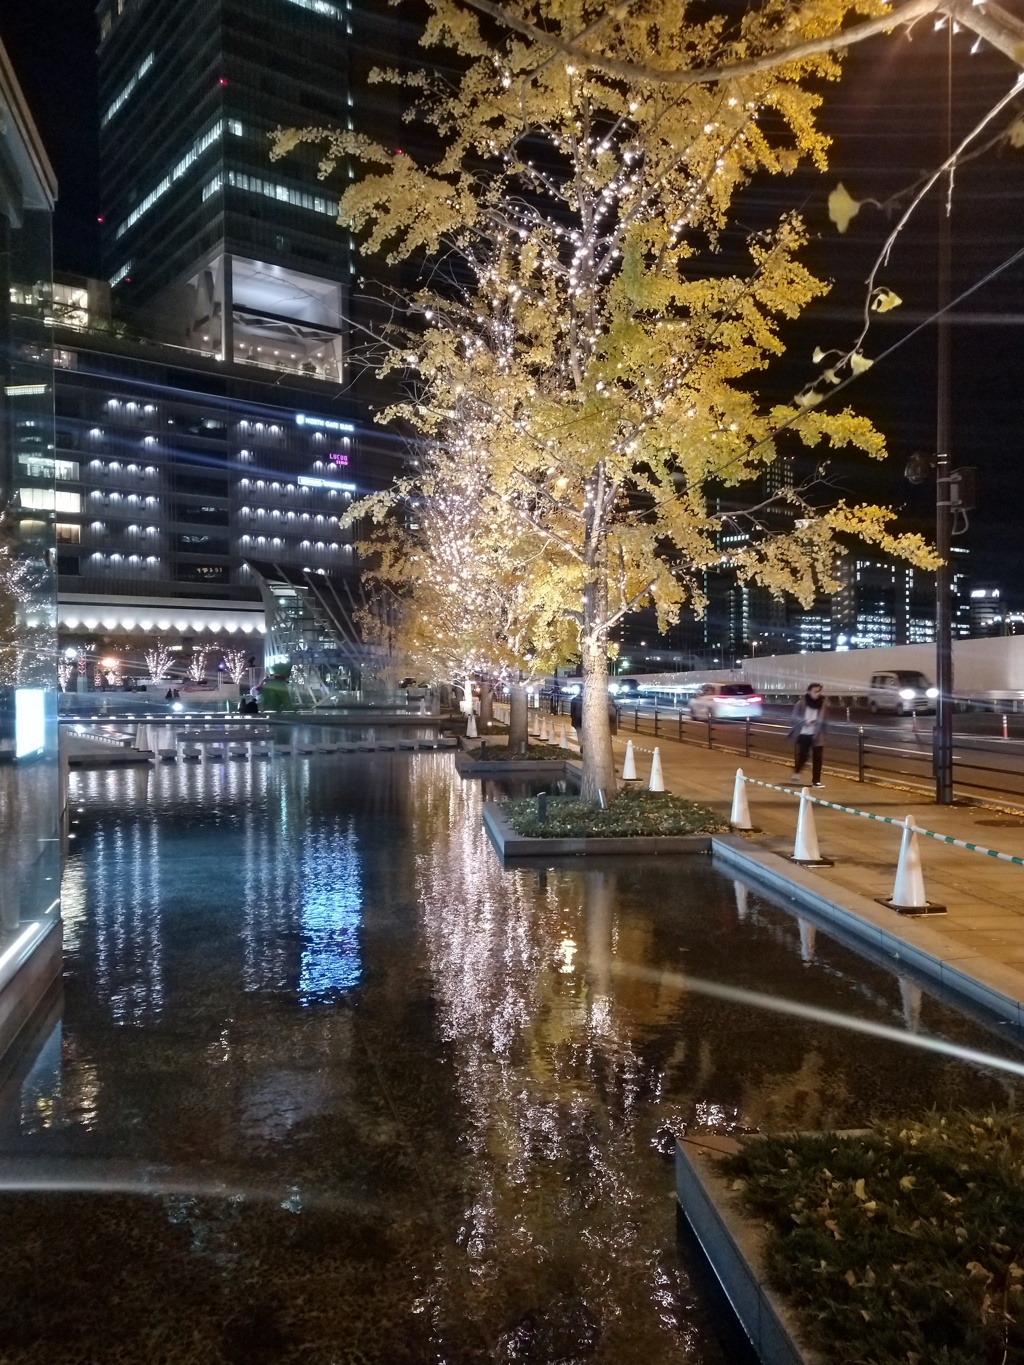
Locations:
column 890, row 820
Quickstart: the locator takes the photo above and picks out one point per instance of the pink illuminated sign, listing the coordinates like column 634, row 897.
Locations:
column 337, row 458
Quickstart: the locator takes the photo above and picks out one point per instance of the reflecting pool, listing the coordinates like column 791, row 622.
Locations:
column 331, row 1085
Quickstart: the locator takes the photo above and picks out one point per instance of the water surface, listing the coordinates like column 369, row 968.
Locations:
column 387, row 1101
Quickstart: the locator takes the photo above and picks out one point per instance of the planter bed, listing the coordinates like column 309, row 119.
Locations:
column 899, row 1245
column 609, row 832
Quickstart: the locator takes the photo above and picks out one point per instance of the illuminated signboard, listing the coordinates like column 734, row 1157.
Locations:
column 308, row 481
column 324, row 423
column 336, row 457
column 29, row 721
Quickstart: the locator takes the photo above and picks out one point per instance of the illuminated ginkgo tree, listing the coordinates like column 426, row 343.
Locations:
column 463, row 597
column 587, row 358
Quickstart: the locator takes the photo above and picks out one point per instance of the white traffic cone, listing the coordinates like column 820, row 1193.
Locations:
column 629, row 764
column 657, row 782
column 142, row 743
column 471, row 726
column 908, row 889
column 805, row 847
column 739, row 817
column 543, row 730
column 563, row 740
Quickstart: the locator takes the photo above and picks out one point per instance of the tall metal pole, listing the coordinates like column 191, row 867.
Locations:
column 943, row 738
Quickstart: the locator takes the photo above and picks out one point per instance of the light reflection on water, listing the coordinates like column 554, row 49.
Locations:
column 425, row 1110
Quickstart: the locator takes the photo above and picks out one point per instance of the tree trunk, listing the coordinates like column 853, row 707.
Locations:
column 596, row 739
column 517, row 716
column 486, row 703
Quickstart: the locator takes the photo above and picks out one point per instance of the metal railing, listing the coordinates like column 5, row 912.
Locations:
column 866, row 752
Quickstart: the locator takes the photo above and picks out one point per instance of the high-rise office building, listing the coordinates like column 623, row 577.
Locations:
column 219, row 248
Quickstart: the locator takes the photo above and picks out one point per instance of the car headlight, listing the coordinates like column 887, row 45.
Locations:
column 907, row 693
column 932, row 692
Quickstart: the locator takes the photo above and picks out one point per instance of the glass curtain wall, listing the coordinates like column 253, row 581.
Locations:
column 30, row 781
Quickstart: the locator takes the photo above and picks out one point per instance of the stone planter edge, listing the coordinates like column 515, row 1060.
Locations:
column 734, row 1246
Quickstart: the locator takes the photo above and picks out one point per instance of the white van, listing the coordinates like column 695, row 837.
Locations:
column 903, row 691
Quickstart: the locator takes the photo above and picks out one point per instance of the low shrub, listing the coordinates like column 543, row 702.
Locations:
column 501, row 753
column 631, row 814
column 904, row 1245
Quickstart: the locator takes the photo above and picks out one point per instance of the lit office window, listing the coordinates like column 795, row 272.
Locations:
column 253, row 184
column 67, row 502
column 68, row 533
column 201, row 145
column 320, row 7
column 122, row 274
column 125, row 94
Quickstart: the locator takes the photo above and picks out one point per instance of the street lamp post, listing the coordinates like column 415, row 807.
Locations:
column 942, row 739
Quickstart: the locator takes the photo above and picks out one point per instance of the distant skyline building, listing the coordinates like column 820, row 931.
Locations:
column 219, row 248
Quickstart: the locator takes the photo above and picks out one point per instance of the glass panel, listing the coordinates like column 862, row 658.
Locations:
column 29, row 768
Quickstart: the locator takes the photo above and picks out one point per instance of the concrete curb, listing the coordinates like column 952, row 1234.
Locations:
column 734, row 1246
column 529, row 767
column 966, row 976
column 509, row 844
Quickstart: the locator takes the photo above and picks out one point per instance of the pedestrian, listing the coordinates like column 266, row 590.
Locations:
column 807, row 730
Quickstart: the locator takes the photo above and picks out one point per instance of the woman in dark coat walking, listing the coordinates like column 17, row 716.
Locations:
column 807, row 731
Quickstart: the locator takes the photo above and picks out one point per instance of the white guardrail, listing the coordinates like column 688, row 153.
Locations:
column 908, row 896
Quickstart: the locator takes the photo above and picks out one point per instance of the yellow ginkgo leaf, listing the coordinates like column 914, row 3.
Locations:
column 859, row 363
column 1015, row 132
column 808, row 398
column 831, row 376
column 842, row 207
column 882, row 300
column 818, row 356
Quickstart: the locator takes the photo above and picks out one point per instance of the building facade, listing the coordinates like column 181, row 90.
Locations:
column 30, row 784
column 193, row 494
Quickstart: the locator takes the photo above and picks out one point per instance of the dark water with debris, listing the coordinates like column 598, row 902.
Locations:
column 331, row 1086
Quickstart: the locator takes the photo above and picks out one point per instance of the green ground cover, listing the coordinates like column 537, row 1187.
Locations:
column 903, row 1245
column 631, row 814
column 501, row 753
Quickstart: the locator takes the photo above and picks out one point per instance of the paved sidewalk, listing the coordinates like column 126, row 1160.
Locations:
column 984, row 897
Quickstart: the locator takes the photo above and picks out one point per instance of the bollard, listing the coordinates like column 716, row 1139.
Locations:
column 739, row 817
column 805, row 846
column 680, row 720
column 629, row 764
column 655, row 718
column 636, row 719
column 1005, row 735
column 908, row 893
column 657, row 782
column 710, row 743
column 746, row 738
column 542, row 807
column 543, row 735
column 860, row 754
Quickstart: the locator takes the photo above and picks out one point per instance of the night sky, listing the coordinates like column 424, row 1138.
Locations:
column 888, row 118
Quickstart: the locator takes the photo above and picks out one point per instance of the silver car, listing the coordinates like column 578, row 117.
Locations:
column 726, row 701
column 902, row 691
